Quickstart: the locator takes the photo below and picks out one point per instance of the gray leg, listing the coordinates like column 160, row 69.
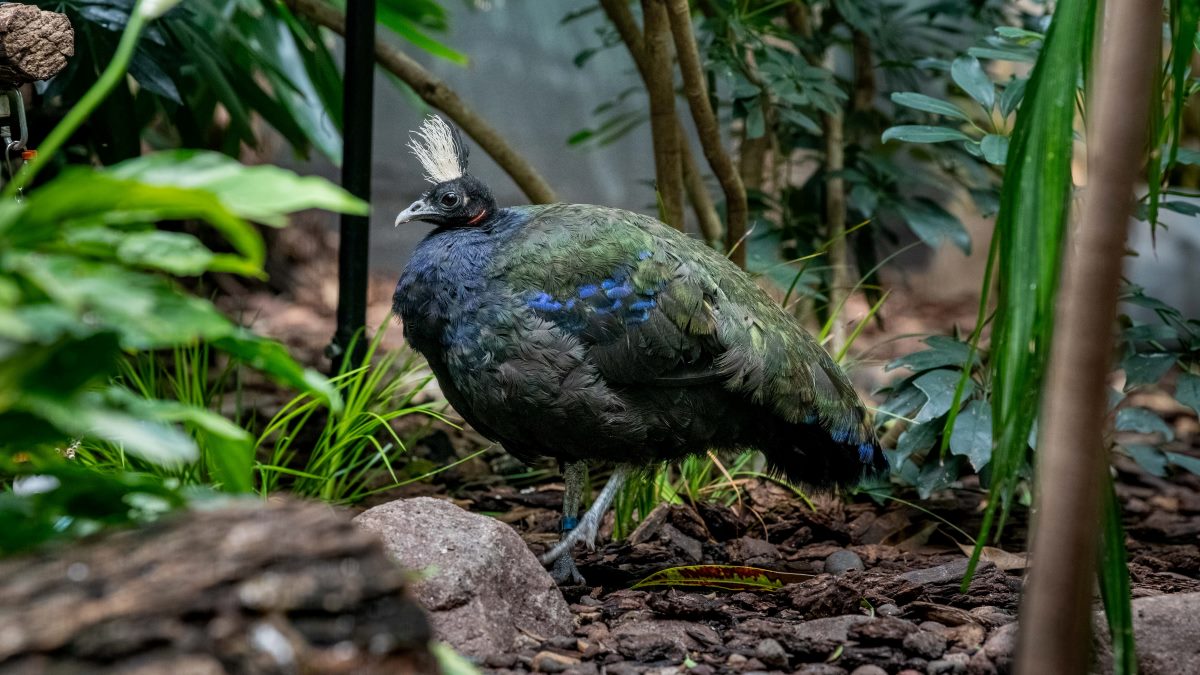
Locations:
column 589, row 525
column 563, row 569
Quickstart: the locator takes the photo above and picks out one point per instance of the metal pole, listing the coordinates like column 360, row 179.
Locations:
column 357, row 98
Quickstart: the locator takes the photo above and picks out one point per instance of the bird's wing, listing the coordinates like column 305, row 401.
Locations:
column 654, row 306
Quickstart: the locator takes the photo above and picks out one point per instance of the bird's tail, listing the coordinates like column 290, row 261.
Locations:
column 811, row 454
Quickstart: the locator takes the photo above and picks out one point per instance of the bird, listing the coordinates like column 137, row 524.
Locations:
column 587, row 333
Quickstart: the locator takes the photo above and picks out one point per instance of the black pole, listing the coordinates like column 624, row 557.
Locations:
column 357, row 102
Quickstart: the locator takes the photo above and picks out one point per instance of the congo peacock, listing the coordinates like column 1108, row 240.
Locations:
column 587, row 333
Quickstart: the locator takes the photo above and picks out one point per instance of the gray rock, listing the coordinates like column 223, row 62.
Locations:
column 868, row 670
column 951, row 571
column 834, row 628
column 840, row 562
column 771, row 653
column 1167, row 629
column 951, row 664
column 820, row 669
column 480, row 583
column 887, row 609
column 926, row 644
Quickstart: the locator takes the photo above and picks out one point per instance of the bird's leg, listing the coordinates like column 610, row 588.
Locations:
column 589, row 525
column 563, row 569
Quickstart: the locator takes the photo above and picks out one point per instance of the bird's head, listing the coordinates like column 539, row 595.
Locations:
column 457, row 199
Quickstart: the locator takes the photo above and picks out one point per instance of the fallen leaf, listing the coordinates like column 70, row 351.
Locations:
column 725, row 577
column 999, row 557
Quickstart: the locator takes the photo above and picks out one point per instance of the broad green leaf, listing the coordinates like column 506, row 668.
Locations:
column 969, row 75
column 938, row 387
column 934, row 224
column 904, row 400
column 176, row 252
column 917, row 439
column 1187, row 391
column 1011, row 97
column 723, row 577
column 1151, row 459
column 1143, row 369
column 919, row 133
column 87, row 416
column 994, row 148
column 972, row 435
column 925, row 103
column 943, row 351
column 1142, row 421
column 261, row 193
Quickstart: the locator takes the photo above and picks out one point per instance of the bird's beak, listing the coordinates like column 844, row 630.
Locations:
column 415, row 212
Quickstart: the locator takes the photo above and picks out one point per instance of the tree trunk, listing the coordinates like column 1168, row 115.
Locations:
column 1056, row 611
column 660, row 87
column 254, row 588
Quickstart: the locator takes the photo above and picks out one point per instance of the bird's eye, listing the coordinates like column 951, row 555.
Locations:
column 450, row 199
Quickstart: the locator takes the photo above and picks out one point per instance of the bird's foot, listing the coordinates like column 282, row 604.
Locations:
column 585, row 531
column 564, row 572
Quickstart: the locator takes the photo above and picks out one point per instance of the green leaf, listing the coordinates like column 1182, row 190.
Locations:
column 1143, row 369
column 933, row 224
column 1151, row 459
column 925, row 103
column 1115, row 592
column 723, row 577
column 969, row 75
column 1142, row 421
column 904, row 400
column 273, row 359
column 938, row 387
column 261, row 193
column 917, row 439
column 972, row 435
column 919, row 133
column 1011, row 97
column 401, row 25
column 1192, row 464
column 943, row 351
column 1187, row 391
column 995, row 149
column 175, row 252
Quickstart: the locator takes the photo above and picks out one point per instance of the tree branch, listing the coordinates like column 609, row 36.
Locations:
column 664, row 127
column 710, row 133
column 706, row 213
column 438, row 94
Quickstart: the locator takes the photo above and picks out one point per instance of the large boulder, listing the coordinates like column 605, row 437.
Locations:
column 482, row 586
column 1167, row 630
column 283, row 587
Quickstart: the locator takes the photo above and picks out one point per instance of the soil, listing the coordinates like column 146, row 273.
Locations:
column 894, row 602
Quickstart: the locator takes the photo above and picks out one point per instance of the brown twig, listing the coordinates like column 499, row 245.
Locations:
column 1057, row 605
column 438, row 94
column 706, row 126
column 664, row 127
column 706, row 213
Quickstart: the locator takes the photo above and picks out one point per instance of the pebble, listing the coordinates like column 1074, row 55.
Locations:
column 500, row 660
column 550, row 662
column 771, row 653
column 868, row 670
column 952, row 664
column 701, row 669
column 887, row 609
column 840, row 562
column 925, row 643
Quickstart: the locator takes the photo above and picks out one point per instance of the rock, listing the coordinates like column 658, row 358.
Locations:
column 887, row 609
column 751, row 551
column 500, row 660
column 651, row 640
column 820, row 669
column 1166, row 628
column 252, row 587
column 868, row 670
column 992, row 617
column 833, row 629
column 1000, row 645
column 482, row 585
column 980, row 664
column 951, row 664
column 551, row 662
column 926, row 644
column 840, row 562
column 771, row 653
column 968, row 636
column 951, row 571
column 882, row 630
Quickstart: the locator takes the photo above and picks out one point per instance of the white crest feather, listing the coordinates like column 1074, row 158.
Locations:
column 437, row 148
